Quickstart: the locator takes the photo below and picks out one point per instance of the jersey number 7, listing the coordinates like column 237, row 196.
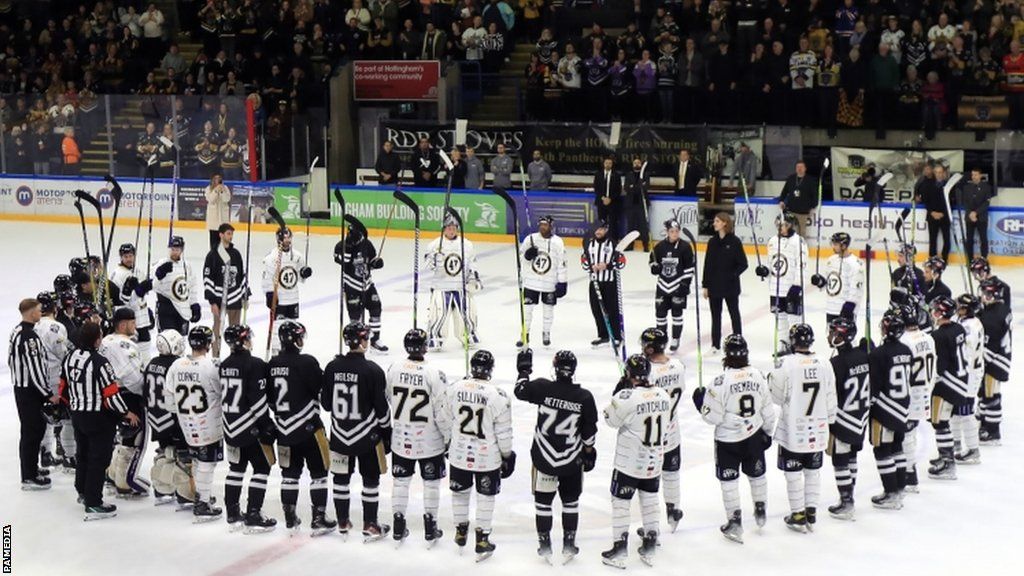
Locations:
column 813, row 388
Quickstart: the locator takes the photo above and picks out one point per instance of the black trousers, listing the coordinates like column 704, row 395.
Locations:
column 94, row 433
column 636, row 219
column 167, row 318
column 611, row 307
column 610, row 214
column 733, row 303
column 981, row 228
column 934, row 228
column 33, row 426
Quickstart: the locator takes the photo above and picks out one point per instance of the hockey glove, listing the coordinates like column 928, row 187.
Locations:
column 268, row 435
column 385, row 438
column 143, row 288
column 524, row 362
column 130, row 285
column 305, row 272
column 793, row 297
column 818, row 280
column 339, row 254
column 377, row 263
column 508, row 464
column 474, row 285
column 618, row 260
column 561, row 289
column 766, row 439
column 761, row 271
column 698, row 399
column 656, row 268
column 589, row 458
column 270, row 299
column 163, row 270
column 197, row 313
column 847, row 311
column 530, row 253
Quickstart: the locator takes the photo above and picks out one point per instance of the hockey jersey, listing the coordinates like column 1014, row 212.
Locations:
column 243, row 380
column 804, row 387
column 787, row 257
column 670, row 376
column 476, row 420
column 851, row 369
column 601, row 252
column 922, row 373
column 124, row 358
column 417, row 393
column 844, row 282
column 950, row 363
column 974, row 346
column 997, row 321
column 566, row 422
column 909, row 278
column 738, row 403
column 890, row 384
column 353, row 392
column 54, row 337
column 179, row 287
column 355, row 263
column 294, row 396
column 282, row 268
column 1004, row 290
column 121, row 277
column 444, row 258
column 162, row 420
column 677, row 266
column 548, row 267
column 193, row 392
column 224, row 268
column 641, row 416
column 934, row 289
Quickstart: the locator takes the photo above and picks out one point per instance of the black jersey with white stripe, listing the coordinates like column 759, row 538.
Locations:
column 356, row 264
column 218, row 274
column 88, row 383
column 677, row 263
column 890, row 383
column 354, row 392
column 243, row 380
column 853, row 394
column 908, row 277
column 566, row 422
column 950, row 363
column 26, row 358
column 162, row 422
column 935, row 289
column 294, row 396
column 997, row 320
column 1004, row 290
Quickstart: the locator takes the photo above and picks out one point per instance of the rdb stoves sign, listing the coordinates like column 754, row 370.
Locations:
column 396, row 80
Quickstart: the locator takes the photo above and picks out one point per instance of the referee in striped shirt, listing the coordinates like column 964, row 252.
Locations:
column 26, row 359
column 90, row 387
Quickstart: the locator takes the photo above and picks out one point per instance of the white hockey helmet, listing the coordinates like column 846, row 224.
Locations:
column 170, row 343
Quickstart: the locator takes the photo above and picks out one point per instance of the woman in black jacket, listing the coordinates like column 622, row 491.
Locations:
column 724, row 262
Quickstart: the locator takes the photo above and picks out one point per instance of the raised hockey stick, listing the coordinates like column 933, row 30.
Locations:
column 600, row 304
column 357, row 225
column 910, row 266
column 149, row 233
column 800, row 271
column 391, row 216
column 524, row 336
column 776, row 265
column 867, row 277
column 966, row 268
column 888, row 258
column 750, row 221
column 817, row 216
column 138, row 223
column 404, row 199
column 88, row 255
column 643, row 191
column 117, row 193
column 105, row 299
column 248, row 247
column 526, row 197
column 277, row 281
column 696, row 281
column 341, row 291
column 463, row 303
column 222, row 313
column 626, row 242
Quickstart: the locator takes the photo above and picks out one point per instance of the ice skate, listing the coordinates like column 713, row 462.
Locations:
column 161, row 499
column 344, row 527
column 616, row 556
column 378, row 346
column 69, row 464
column 944, row 470
column 257, row 523
column 321, row 524
column 430, row 530
column 887, row 501
column 40, row 482
column 598, row 342
column 204, row 512
column 990, row 436
column 674, row 516
column 47, row 459
column 546, row 339
column 234, row 518
column 373, row 532
column 544, row 546
column 400, row 532
column 292, row 522
column 842, row 511
column 971, row 457
column 648, row 546
column 812, row 518
column 101, row 512
column 733, row 529
column 484, row 547
column 569, row 548
column 461, row 535
column 797, row 522
column 760, row 514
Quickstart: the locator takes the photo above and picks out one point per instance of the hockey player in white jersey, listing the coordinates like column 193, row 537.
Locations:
column 922, row 380
column 193, row 390
column 123, row 355
column 787, row 255
column 669, row 375
column 284, row 270
column 177, row 289
column 804, row 387
column 56, row 345
column 132, row 294
column 640, row 412
column 444, row 257
column 843, row 280
column 476, row 421
column 417, row 393
column 964, row 425
column 545, row 275
column 739, row 405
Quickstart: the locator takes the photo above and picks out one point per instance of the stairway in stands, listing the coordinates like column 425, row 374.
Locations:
column 499, row 103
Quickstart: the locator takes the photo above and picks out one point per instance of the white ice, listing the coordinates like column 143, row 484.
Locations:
column 966, row 526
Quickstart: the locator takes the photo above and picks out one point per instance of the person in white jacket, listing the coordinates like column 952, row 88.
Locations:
column 787, row 255
column 843, row 280
column 123, row 355
column 445, row 257
column 545, row 274
column 218, row 208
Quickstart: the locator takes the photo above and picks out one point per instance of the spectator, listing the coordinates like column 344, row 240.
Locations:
column 457, row 173
column 152, row 21
column 501, row 169
column 424, row 164
column 596, row 92
column 532, row 17
column 218, row 207
column 475, row 171
column 620, row 87
column 691, row 81
column 915, row 47
column 379, row 42
column 852, row 83
column 545, row 45
column 361, row 14
column 745, row 169
column 410, row 44
column 1013, row 85
column 846, row 18
column 645, row 75
column 352, row 41
column 828, row 88
column 173, row 59
column 539, row 172
column 933, row 98
column 666, row 81
column 884, row 80
column 433, row 43
column 388, row 165
column 494, row 48
column 779, row 74
column 688, row 175
column 941, row 33
column 722, row 82
column 799, row 196
column 632, row 41
column 536, row 77
column 230, row 155
column 70, row 153
column 910, row 98
column 985, row 73
column 473, row 39
column 569, row 73
column 893, row 36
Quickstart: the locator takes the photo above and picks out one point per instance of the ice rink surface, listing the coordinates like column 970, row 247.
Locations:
column 967, row 526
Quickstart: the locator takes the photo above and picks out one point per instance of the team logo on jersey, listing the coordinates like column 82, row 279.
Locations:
column 542, row 263
column 835, row 284
column 179, row 289
column 729, row 473
column 453, row 264
column 780, row 265
column 669, row 266
column 428, row 469
column 288, row 278
column 485, row 484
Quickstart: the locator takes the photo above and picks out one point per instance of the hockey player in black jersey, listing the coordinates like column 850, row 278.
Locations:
column 248, row 430
column 563, row 445
column 950, row 383
column 354, row 393
column 982, row 271
column 890, row 404
column 673, row 263
column 996, row 319
column 933, row 285
column 294, row 398
column 358, row 258
column 171, row 474
column 907, row 276
column 853, row 393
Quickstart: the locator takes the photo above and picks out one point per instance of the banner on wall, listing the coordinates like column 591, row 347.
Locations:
column 906, row 165
column 192, row 201
column 56, row 196
column 396, row 80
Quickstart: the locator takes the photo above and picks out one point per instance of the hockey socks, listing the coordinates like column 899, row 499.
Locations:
column 670, row 484
column 731, row 496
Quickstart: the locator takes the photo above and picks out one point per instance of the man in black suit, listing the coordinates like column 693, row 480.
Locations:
column 608, row 195
column 688, row 175
column 799, row 196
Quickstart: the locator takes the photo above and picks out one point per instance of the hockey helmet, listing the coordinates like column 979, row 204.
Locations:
column 801, row 336
column 415, row 342
column 990, row 289
column 841, row 331
column 735, row 346
column 78, row 266
column 292, row 335
column 236, row 336
column 936, row 264
column 980, row 266
column 671, row 224
column 786, row 218
column 841, row 238
column 564, row 364
column 84, row 311
column 47, row 301
column 655, row 339
column 176, row 242
column 908, row 250
column 899, row 296
column 638, row 367
column 892, row 325
column 969, row 304
column 943, row 307
column 481, row 365
column 170, row 343
column 200, row 337
column 354, row 333
column 126, row 248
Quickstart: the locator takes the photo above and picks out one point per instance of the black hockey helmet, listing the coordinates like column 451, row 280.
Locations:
column 908, row 250
column 892, row 325
column 292, row 335
column 990, row 289
column 78, row 266
column 841, row 238
column 282, row 233
column 735, row 346
column 546, row 219
column 85, row 310
column 899, row 296
column 236, row 336
column 354, row 333
column 671, row 224
column 969, row 304
column 655, row 339
column 62, row 283
column 47, row 301
column 980, row 266
column 126, row 248
column 564, row 364
column 481, row 365
column 936, row 264
column 638, row 367
column 415, row 342
column 176, row 242
column 801, row 336
column 841, row 332
column 200, row 337
column 943, row 306
column 786, row 218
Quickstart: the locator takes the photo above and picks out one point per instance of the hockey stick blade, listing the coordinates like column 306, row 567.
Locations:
column 409, row 202
column 458, row 219
column 83, row 195
column 951, row 183
column 277, row 217
column 825, row 164
column 356, row 224
column 320, row 214
column 627, row 240
column 884, row 179
column 115, row 188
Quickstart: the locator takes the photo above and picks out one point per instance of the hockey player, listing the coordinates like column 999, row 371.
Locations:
column 294, row 396
column 127, row 363
column 177, row 296
column 640, row 412
column 843, row 280
column 890, row 401
column 672, row 262
column 963, row 423
column 981, row 270
column 997, row 320
column 56, row 346
column 353, row 392
column 922, row 380
column 417, row 391
column 669, row 375
column 476, row 421
column 933, row 285
column 739, row 405
column 284, row 268
column 223, row 271
column 193, row 391
column 563, row 446
column 545, row 276
column 851, row 370
column 64, row 289
column 907, row 276
column 132, row 294
column 804, row 386
column 951, row 385
column 444, row 257
column 787, row 254
column 358, row 258
column 171, row 473
column 600, row 261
